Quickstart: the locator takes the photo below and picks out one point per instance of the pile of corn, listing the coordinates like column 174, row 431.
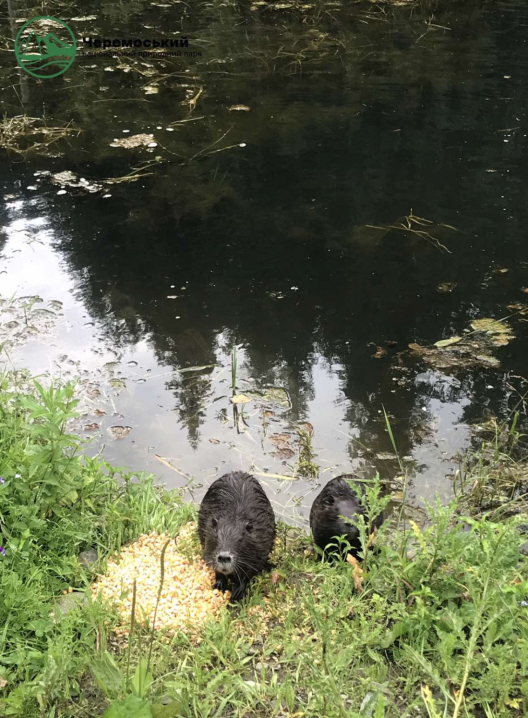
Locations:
column 187, row 598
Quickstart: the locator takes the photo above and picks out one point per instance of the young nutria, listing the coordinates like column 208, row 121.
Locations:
column 333, row 514
column 236, row 526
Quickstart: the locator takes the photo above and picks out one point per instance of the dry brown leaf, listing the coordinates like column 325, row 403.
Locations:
column 380, row 352
column 91, row 427
column 357, row 573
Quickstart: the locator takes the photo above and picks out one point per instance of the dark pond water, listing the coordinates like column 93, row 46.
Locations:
column 268, row 229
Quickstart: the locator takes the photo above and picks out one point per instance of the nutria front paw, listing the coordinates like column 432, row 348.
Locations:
column 221, row 582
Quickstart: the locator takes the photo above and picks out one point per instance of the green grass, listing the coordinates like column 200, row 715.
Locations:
column 437, row 628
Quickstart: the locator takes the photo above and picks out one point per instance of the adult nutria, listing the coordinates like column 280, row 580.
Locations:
column 236, row 526
column 334, row 511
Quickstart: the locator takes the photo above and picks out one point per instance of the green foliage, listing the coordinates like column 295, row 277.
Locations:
column 54, row 503
column 436, row 625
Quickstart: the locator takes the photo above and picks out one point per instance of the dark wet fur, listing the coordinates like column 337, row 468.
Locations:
column 245, row 529
column 336, row 500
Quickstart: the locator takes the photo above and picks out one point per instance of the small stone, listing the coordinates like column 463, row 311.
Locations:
column 524, row 549
column 88, row 558
column 69, row 602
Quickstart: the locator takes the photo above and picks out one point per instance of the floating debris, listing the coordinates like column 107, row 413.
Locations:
column 239, row 108
column 119, row 432
column 23, row 134
column 446, row 287
column 202, row 368
column 379, row 353
column 91, row 427
column 186, row 599
column 386, row 456
column 70, row 179
column 448, row 342
column 420, row 228
column 500, row 332
column 474, row 349
column 271, row 395
column 463, row 355
column 240, row 399
column 133, row 141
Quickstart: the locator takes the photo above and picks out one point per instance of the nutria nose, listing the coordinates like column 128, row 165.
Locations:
column 224, row 558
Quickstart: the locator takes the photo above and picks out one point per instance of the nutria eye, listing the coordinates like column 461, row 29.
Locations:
column 249, row 528
column 214, row 523
column 329, row 501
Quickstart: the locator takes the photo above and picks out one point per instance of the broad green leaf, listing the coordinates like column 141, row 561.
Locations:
column 130, row 707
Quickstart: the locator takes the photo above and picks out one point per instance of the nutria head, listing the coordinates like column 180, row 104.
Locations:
column 236, row 526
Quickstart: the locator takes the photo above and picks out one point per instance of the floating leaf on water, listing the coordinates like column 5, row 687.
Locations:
column 464, row 355
column 70, row 179
column 500, row 270
column 239, row 108
column 119, row 432
column 151, row 90
column 446, row 286
column 118, row 383
column 91, row 427
column 493, row 326
column 379, row 353
column 501, row 340
column 447, row 342
column 141, row 140
column 110, row 365
column 172, row 296
column 272, row 395
column 518, row 307
column 386, row 456
column 240, row 399
column 64, row 178
column 280, row 438
column 204, row 367
column 488, row 360
column 284, row 453
column 214, row 441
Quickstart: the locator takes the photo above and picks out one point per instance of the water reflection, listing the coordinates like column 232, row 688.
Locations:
column 269, row 246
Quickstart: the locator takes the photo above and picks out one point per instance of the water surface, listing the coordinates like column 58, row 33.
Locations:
column 253, row 228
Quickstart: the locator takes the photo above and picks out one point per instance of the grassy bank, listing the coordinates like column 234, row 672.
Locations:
column 436, row 625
